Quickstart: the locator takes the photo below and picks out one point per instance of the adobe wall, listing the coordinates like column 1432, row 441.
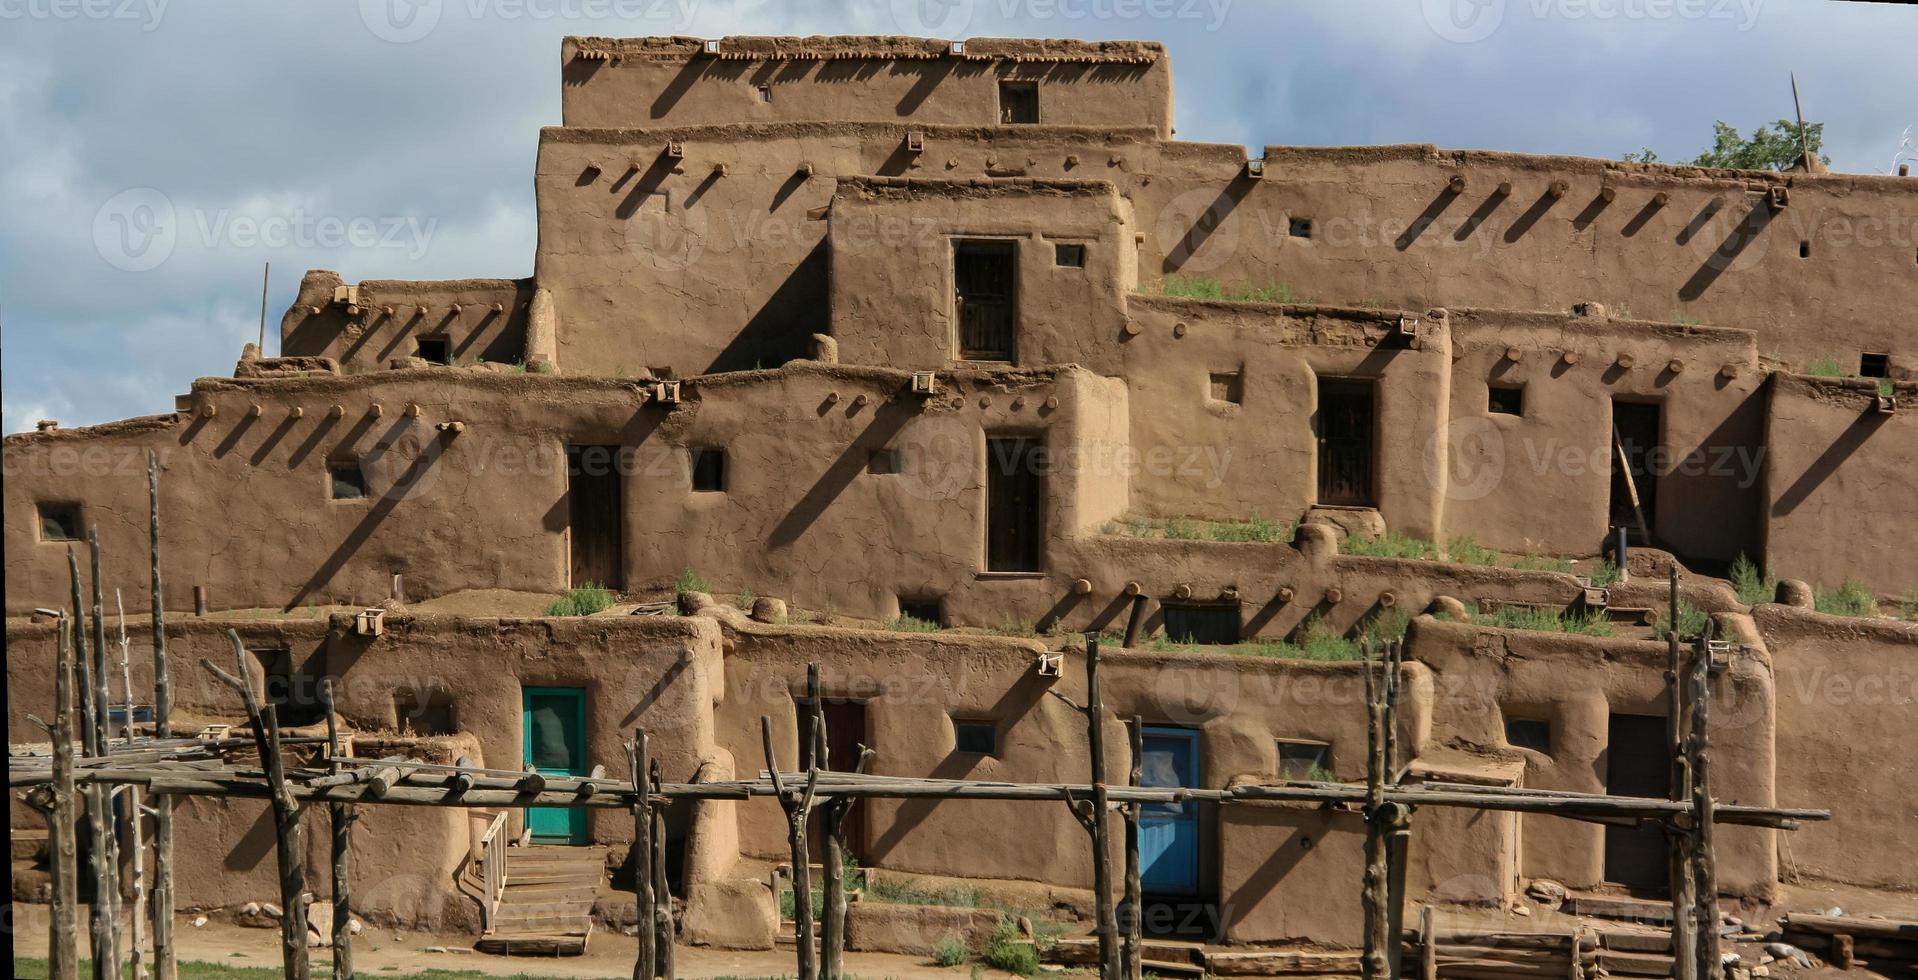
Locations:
column 892, row 246
column 482, row 320
column 1847, row 695
column 1838, row 478
column 672, row 81
column 1576, row 682
column 1540, row 482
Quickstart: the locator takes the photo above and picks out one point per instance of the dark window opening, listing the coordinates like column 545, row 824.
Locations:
column 709, row 470
column 983, row 282
column 1874, row 365
column 1018, row 102
column 975, row 737
column 1015, row 503
column 1306, row 761
column 348, row 479
column 1299, row 227
column 290, row 694
column 1634, row 495
column 1211, row 622
column 1529, row 733
column 765, row 93
column 1345, row 440
column 1505, row 401
column 424, row 713
column 436, row 350
column 883, row 462
column 923, row 610
column 1804, row 250
column 1228, row 386
column 1637, row 762
column 595, row 529
column 59, row 522
column 1070, row 256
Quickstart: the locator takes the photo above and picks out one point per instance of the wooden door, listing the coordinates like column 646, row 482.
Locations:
column 845, row 732
column 593, row 477
column 1636, row 429
column 1346, row 439
column 984, row 285
column 1637, row 763
column 1169, row 832
column 555, row 744
column 1015, row 504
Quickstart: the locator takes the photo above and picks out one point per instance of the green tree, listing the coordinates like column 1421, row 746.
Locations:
column 1773, row 147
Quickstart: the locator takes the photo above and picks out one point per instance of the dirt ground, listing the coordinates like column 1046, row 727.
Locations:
column 380, row 951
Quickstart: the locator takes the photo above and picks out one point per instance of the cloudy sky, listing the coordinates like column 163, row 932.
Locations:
column 154, row 153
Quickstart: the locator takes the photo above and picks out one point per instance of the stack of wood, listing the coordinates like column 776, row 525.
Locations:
column 1483, row 955
column 1887, row 946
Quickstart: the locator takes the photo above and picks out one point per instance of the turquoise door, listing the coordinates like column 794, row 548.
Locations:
column 1169, row 832
column 556, row 746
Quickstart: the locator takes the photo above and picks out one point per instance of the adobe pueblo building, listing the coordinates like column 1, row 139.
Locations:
column 919, row 360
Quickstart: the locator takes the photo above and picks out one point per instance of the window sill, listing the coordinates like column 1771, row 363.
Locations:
column 1007, row 576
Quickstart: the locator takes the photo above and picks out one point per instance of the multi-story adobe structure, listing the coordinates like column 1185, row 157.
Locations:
column 890, row 326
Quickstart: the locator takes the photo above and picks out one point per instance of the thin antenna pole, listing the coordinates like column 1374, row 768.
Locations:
column 267, row 276
column 1804, row 144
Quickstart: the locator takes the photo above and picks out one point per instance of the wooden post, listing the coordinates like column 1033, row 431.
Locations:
column 137, row 918
column 1134, row 966
column 165, row 964
column 1100, row 823
column 63, row 953
column 1134, row 620
column 1398, row 816
column 1374, row 964
column 1677, row 829
column 1428, row 946
column 636, row 759
column 1705, row 922
column 832, row 864
column 834, row 933
column 286, row 814
column 797, row 804
column 82, row 665
column 106, row 901
column 99, row 921
column 340, row 816
column 662, row 888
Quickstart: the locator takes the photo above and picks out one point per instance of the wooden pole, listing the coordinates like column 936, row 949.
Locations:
column 1135, row 913
column 63, row 939
column 834, row 932
column 797, row 804
column 1398, row 817
column 165, row 964
column 1374, row 965
column 636, row 759
column 662, row 887
column 1706, row 964
column 82, row 663
column 136, row 919
column 1678, row 828
column 1101, row 809
column 340, row 817
column 286, row 813
column 106, row 901
column 99, row 921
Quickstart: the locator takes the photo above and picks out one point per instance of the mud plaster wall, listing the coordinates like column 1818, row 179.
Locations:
column 686, row 87
column 1541, row 482
column 390, row 318
column 1847, row 695
column 892, row 252
column 1838, row 477
column 1576, row 682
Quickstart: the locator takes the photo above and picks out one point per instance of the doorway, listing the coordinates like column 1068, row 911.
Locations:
column 1345, row 429
column 1169, row 832
column 1636, row 428
column 1015, row 503
column 1638, row 762
column 555, row 745
column 984, row 284
column 593, row 508
column 846, row 731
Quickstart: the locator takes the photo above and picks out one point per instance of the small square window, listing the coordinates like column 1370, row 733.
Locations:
column 709, row 470
column 1874, row 365
column 59, row 522
column 424, row 712
column 1070, row 256
column 1210, row 622
column 1504, row 400
column 1804, row 250
column 1529, row 733
column 1306, row 761
column 348, row 479
column 1228, row 386
column 924, row 610
column 435, row 350
column 975, row 737
column 1299, row 227
column 1018, row 102
column 883, row 462
column 765, row 93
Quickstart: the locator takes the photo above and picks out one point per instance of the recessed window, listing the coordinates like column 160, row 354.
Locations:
column 765, row 92
column 975, row 737
column 1529, row 733
column 435, row 350
column 923, row 610
column 424, row 712
column 59, row 522
column 1804, row 250
column 882, row 462
column 1874, row 365
column 1018, row 103
column 1306, row 761
column 1211, row 622
column 347, row 478
column 1071, row 256
column 1228, row 386
column 709, row 469
column 1505, row 400
column 1299, row 227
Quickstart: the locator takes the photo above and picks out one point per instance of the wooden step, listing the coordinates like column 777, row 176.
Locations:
column 29, row 845
column 1621, row 963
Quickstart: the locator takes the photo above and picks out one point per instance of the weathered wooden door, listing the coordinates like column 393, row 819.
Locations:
column 984, row 285
column 1346, row 439
column 555, row 744
column 845, row 732
column 1015, row 503
column 593, row 508
column 1637, row 763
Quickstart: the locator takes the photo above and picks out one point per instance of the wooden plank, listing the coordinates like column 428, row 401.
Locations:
column 1832, row 925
